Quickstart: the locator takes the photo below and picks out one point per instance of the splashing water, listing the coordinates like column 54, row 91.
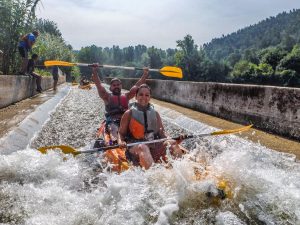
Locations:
column 264, row 185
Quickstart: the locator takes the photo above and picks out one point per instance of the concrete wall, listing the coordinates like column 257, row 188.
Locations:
column 14, row 88
column 274, row 109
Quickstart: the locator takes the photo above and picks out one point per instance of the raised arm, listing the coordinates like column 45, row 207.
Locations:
column 104, row 95
column 141, row 81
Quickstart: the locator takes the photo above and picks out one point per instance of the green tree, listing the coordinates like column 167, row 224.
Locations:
column 75, row 72
column 288, row 42
column 233, row 58
column 117, row 55
column 92, row 54
column 154, row 58
column 47, row 26
column 50, row 47
column 189, row 59
column 264, row 69
column 129, row 54
column 16, row 19
column 170, row 57
column 243, row 71
column 139, row 50
column 251, row 56
column 272, row 56
column 292, row 60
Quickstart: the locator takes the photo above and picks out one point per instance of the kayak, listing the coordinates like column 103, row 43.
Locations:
column 85, row 86
column 117, row 159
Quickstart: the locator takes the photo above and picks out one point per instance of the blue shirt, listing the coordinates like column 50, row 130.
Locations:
column 30, row 38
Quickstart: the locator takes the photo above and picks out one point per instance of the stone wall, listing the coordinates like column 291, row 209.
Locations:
column 14, row 88
column 274, row 109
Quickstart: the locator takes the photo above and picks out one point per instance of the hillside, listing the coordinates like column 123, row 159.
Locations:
column 283, row 30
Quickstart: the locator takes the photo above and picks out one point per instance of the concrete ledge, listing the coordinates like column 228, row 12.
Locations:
column 19, row 137
column 273, row 109
column 14, row 88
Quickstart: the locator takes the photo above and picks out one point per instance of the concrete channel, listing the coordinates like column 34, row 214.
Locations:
column 14, row 114
column 263, row 185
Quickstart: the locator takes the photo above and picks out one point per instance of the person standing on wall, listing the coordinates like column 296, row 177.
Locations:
column 30, row 71
column 24, row 46
column 55, row 77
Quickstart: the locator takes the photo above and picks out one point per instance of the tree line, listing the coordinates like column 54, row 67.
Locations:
column 265, row 53
column 193, row 61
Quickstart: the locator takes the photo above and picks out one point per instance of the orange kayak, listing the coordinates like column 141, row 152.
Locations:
column 116, row 157
column 86, row 86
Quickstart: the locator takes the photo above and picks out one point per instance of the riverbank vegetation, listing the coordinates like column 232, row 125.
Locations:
column 267, row 53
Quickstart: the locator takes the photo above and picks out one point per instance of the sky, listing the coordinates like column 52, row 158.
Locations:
column 158, row 23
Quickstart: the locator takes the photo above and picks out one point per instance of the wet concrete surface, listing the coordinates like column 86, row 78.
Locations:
column 269, row 140
column 11, row 116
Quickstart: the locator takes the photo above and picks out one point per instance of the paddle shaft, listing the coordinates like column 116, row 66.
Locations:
column 68, row 149
column 142, row 142
column 114, row 67
column 169, row 71
column 182, row 137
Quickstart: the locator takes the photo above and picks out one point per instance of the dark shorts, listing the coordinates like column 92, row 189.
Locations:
column 109, row 120
column 55, row 77
column 23, row 52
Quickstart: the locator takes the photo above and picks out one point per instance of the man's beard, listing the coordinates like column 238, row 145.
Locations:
column 116, row 91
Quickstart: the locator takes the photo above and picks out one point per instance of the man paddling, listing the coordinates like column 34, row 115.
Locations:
column 116, row 103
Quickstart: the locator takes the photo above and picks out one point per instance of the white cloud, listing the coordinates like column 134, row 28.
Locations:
column 154, row 22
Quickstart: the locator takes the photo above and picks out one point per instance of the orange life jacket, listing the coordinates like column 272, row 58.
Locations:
column 143, row 123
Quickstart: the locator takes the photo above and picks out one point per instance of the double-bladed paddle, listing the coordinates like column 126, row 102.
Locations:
column 70, row 150
column 169, row 71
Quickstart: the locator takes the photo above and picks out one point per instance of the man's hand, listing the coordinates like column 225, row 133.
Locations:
column 181, row 138
column 95, row 65
column 95, row 71
column 122, row 144
column 169, row 142
column 146, row 71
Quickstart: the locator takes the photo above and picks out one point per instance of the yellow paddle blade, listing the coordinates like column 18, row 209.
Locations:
column 171, row 71
column 64, row 148
column 232, row 131
column 58, row 63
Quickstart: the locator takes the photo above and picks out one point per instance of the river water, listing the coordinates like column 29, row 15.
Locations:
column 263, row 186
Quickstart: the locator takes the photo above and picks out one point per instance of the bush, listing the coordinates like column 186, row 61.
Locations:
column 43, row 73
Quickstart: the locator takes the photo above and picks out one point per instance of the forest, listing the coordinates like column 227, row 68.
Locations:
column 266, row 53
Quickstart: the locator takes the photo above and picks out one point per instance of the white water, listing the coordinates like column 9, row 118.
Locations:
column 58, row 189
